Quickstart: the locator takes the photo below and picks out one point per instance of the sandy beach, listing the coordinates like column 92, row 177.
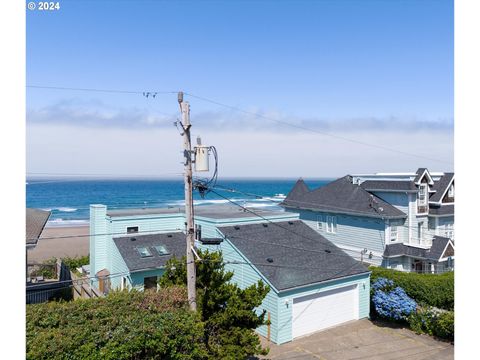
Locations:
column 47, row 247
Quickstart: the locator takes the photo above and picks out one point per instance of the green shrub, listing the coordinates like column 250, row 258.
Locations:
column 123, row 325
column 74, row 262
column 445, row 325
column 47, row 269
column 434, row 322
column 426, row 289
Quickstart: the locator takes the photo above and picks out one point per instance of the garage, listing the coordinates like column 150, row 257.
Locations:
column 324, row 309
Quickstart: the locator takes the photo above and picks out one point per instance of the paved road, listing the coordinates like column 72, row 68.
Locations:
column 362, row 340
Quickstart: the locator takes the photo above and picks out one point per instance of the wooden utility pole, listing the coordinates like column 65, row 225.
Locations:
column 187, row 151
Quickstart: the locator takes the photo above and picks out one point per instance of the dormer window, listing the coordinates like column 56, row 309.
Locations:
column 451, row 191
column 422, row 198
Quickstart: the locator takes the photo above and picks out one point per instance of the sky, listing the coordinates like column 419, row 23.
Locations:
column 326, row 88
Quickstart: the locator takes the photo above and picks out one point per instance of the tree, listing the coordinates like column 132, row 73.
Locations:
column 228, row 312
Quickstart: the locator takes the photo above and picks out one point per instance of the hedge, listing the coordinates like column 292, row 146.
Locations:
column 426, row 289
column 433, row 322
column 135, row 325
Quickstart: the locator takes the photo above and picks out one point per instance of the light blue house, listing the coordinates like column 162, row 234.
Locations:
column 148, row 227
column 401, row 221
column 314, row 285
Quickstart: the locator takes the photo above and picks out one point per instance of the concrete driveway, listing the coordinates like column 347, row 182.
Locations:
column 362, row 340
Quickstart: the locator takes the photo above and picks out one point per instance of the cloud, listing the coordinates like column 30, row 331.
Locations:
column 97, row 114
column 54, row 148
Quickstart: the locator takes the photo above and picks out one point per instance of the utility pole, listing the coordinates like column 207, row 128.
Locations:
column 187, row 151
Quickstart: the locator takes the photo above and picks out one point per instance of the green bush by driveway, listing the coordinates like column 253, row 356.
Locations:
column 426, row 289
column 133, row 325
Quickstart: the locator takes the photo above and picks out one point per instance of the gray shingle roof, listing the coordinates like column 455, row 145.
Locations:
column 344, row 197
column 441, row 186
column 442, row 210
column 395, row 185
column 35, row 221
column 439, row 243
column 174, row 242
column 403, row 250
column 419, row 173
column 297, row 251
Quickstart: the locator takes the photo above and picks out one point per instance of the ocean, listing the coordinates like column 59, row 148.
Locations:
column 69, row 200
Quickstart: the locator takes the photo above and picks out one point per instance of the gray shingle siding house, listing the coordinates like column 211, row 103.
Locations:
column 394, row 220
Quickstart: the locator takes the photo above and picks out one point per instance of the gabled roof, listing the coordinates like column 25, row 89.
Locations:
column 344, row 197
column 296, row 251
column 299, row 189
column 421, row 172
column 441, row 186
column 439, row 245
column 35, row 221
column 389, row 185
column 175, row 243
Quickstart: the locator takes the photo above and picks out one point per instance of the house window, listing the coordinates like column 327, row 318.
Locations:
column 132, row 229
column 449, row 230
column 319, row 222
column 144, row 252
column 150, row 283
column 332, row 224
column 420, row 231
column 422, row 198
column 393, row 232
column 124, row 283
column 451, row 191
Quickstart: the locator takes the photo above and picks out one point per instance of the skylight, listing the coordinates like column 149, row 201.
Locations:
column 144, row 252
column 162, row 250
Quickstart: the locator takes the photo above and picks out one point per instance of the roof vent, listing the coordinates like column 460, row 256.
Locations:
column 236, row 227
column 270, row 260
column 327, row 251
column 169, row 235
column 290, row 223
column 133, row 239
column 265, row 225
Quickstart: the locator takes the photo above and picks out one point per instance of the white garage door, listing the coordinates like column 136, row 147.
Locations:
column 325, row 309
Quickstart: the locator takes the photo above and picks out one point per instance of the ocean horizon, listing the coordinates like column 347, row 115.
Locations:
column 69, row 199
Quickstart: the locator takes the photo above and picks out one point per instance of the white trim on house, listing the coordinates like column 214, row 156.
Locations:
column 442, row 258
column 430, row 180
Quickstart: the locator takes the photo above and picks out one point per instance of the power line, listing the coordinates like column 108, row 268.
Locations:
column 105, row 234
column 104, row 174
column 301, row 127
column 143, row 92
column 269, row 198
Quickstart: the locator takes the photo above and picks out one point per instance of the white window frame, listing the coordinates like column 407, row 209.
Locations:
column 319, row 223
column 451, row 191
column 449, row 230
column 420, row 231
column 331, row 224
column 124, row 283
column 422, row 191
column 393, row 232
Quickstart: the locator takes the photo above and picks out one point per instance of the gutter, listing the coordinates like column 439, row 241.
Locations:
column 323, row 282
column 346, row 212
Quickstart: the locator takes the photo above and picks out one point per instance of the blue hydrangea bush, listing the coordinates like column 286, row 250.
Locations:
column 390, row 301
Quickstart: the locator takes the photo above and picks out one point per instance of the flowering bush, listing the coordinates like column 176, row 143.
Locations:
column 433, row 321
column 391, row 302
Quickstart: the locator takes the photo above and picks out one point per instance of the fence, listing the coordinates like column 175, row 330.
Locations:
column 82, row 288
column 51, row 290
